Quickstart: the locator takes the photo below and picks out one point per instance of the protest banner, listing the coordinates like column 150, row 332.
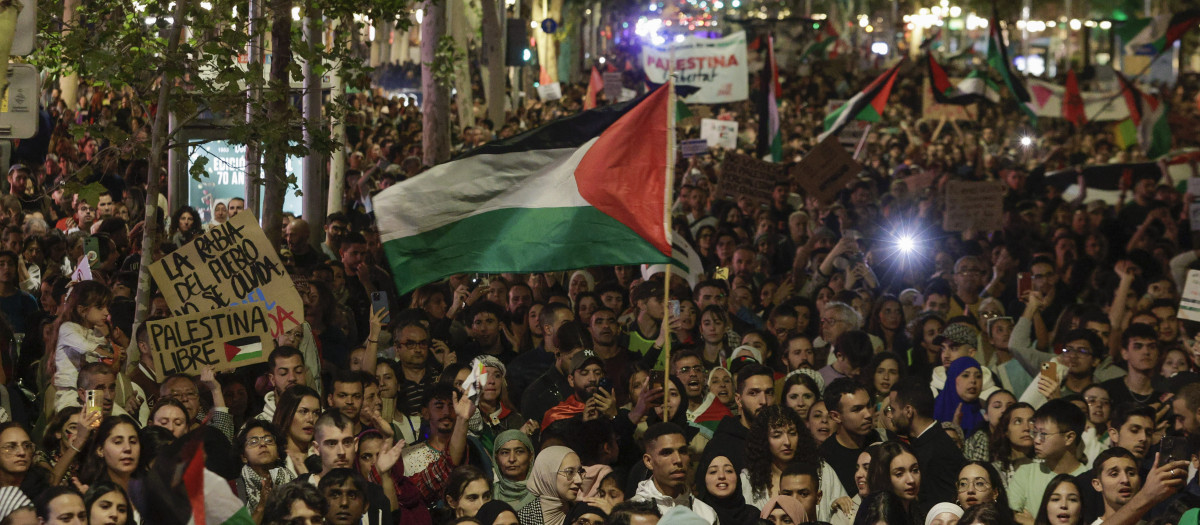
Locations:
column 746, row 176
column 717, row 66
column 826, row 170
column 935, row 111
column 548, row 92
column 612, row 85
column 224, row 338
column 693, row 148
column 719, row 133
column 229, row 265
column 920, row 180
column 1046, row 100
column 973, row 205
column 1189, row 302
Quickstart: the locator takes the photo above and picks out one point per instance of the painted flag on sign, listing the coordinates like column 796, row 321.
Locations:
column 243, row 348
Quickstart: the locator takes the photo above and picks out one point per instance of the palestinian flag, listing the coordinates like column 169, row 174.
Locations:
column 1124, row 133
column 708, row 415
column 243, row 349
column 586, row 190
column 980, row 86
column 1149, row 116
column 1150, row 36
column 866, row 105
column 595, row 85
column 213, row 502
column 1073, row 101
column 825, row 45
column 971, row 90
column 997, row 56
column 769, row 120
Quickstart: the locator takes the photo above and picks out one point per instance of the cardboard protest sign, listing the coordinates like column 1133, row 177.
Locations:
column 719, row 133
column 973, row 205
column 826, row 170
column 229, row 265
column 746, row 176
column 920, row 180
column 612, row 85
column 548, row 92
column 1189, row 302
column 935, row 111
column 715, row 65
column 224, row 338
column 692, row 148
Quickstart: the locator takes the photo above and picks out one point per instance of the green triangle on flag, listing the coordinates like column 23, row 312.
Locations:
column 681, row 111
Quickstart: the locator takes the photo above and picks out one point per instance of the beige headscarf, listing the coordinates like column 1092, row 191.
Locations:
column 543, row 483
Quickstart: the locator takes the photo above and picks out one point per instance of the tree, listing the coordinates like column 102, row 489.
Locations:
column 437, row 72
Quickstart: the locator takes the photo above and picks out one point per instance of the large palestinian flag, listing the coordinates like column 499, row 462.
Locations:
column 586, row 190
column 997, row 57
column 971, row 90
column 866, row 105
column 1149, row 116
column 1150, row 36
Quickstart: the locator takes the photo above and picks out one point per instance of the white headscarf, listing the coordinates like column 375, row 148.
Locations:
column 543, row 483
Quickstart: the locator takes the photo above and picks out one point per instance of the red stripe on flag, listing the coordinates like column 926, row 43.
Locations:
column 623, row 173
column 1073, row 101
column 937, row 75
column 193, row 481
column 880, row 100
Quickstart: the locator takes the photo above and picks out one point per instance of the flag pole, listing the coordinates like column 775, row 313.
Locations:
column 669, row 193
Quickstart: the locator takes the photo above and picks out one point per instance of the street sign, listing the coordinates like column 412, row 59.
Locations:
column 549, row 25
column 18, row 108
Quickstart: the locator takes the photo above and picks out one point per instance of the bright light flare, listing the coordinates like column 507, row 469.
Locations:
column 1026, row 141
column 906, row 244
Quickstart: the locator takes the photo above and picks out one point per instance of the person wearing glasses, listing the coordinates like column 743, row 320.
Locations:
column 16, row 456
column 412, row 351
column 1077, row 354
column 666, row 457
column 260, row 446
column 978, row 483
column 970, row 274
column 556, row 483
column 1057, row 427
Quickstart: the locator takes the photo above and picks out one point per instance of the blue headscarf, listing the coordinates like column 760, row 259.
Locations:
column 948, row 401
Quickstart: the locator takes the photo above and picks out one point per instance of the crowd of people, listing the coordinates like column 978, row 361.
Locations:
column 817, row 372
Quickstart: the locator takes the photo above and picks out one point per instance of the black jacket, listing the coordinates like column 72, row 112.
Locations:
column 940, row 460
column 730, row 437
column 549, row 390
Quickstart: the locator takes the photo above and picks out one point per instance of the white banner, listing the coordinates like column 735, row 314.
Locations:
column 1046, row 101
column 719, row 133
column 716, row 66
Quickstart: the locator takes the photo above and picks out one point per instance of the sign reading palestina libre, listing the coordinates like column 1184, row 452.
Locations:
column 716, row 66
column 224, row 288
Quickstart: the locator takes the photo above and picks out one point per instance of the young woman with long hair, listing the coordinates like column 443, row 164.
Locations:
column 1012, row 443
column 1062, row 502
column 107, row 504
column 114, row 454
column 887, row 323
column 776, row 438
column 185, row 226
column 296, row 417
column 978, row 483
column 800, row 393
column 713, row 343
column 894, row 469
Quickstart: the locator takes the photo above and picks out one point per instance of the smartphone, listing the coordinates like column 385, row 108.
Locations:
column 1050, row 370
column 379, row 301
column 721, row 273
column 1024, row 283
column 673, row 305
column 656, row 378
column 1173, row 448
column 605, row 384
column 92, row 249
column 92, row 402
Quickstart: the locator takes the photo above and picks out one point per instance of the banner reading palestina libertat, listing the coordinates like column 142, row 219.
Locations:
column 1046, row 100
column 717, row 66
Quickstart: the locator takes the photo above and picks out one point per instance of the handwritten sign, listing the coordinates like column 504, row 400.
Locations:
column 719, row 133
column 826, row 170
column 224, row 339
column 693, row 148
column 973, row 205
column 612, row 85
column 548, row 92
column 746, row 176
column 717, row 66
column 229, row 265
column 935, row 111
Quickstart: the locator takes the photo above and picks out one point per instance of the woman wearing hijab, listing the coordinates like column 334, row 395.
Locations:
column 964, row 382
column 717, row 484
column 496, row 512
column 555, row 483
column 512, row 455
column 584, row 514
column 943, row 513
column 784, row 510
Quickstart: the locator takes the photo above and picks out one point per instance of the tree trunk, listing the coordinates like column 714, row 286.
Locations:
column 69, row 84
column 254, row 53
column 158, row 145
column 435, row 132
column 462, row 70
column 492, row 52
column 315, row 183
column 275, row 160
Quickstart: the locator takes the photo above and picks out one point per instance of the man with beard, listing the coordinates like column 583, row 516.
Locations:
column 618, row 360
column 755, row 390
column 666, row 458
column 687, row 366
column 486, row 319
column 911, row 412
column 346, row 396
column 798, row 353
column 588, row 400
column 286, row 365
column 428, row 463
column 336, row 227
column 554, row 386
column 345, row 491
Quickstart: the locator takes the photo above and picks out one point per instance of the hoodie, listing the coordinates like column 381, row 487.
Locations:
column 647, row 491
column 730, row 436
